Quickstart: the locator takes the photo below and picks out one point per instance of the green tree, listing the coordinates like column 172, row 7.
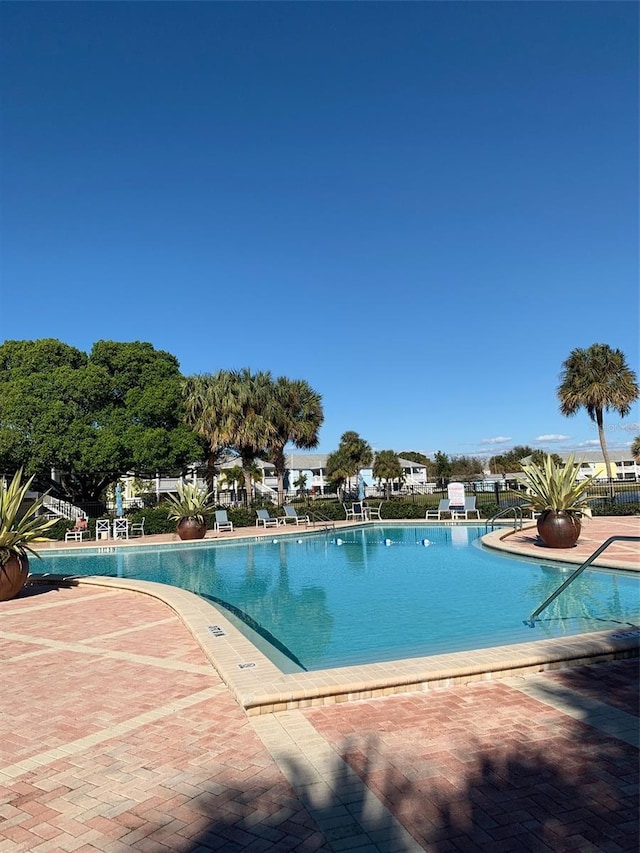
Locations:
column 300, row 483
column 353, row 453
column 466, row 468
column 511, row 461
column 597, row 379
column 538, row 457
column 442, row 467
column 91, row 418
column 387, row 467
column 635, row 448
column 233, row 409
column 296, row 415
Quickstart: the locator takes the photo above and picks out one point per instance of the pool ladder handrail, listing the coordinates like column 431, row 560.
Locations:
column 517, row 517
column 329, row 523
column 530, row 622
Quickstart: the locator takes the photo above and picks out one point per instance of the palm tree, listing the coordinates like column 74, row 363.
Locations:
column 352, row 454
column 296, row 414
column 387, row 467
column 597, row 379
column 232, row 409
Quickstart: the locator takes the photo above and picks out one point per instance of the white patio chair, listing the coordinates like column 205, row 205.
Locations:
column 137, row 529
column 103, row 528
column 120, row 528
column 374, row 512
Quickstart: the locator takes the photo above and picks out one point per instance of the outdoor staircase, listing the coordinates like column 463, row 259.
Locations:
column 266, row 491
column 62, row 509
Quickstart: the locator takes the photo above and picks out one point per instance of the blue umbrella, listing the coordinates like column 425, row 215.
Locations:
column 119, row 509
column 360, row 487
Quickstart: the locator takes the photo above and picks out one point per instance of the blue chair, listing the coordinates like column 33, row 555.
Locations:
column 265, row 519
column 290, row 514
column 222, row 522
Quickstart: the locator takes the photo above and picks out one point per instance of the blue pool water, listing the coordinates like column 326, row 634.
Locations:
column 373, row 594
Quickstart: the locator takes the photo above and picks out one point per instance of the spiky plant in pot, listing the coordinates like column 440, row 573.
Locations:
column 17, row 532
column 561, row 499
column 189, row 509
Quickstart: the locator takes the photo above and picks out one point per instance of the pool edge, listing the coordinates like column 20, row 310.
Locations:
column 260, row 687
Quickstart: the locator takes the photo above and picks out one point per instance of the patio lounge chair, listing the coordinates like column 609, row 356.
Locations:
column 443, row 506
column 470, row 507
column 290, row 514
column 222, row 523
column 265, row 519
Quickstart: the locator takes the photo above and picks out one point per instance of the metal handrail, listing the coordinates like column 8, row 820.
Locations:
column 517, row 517
column 530, row 622
column 318, row 516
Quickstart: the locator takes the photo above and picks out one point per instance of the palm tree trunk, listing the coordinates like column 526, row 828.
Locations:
column 605, row 452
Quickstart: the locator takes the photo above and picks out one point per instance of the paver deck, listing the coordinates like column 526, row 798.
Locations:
column 118, row 734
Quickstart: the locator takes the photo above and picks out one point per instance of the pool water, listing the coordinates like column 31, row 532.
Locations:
column 372, row 594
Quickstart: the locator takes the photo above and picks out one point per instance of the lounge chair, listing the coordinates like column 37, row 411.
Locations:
column 265, row 519
column 470, row 506
column 76, row 533
column 290, row 514
column 222, row 523
column 443, row 506
column 137, row 529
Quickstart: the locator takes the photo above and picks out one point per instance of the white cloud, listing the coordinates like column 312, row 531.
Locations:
column 499, row 439
column 593, row 442
column 552, row 437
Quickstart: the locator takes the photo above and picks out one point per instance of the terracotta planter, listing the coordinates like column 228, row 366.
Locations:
column 558, row 529
column 189, row 528
column 13, row 576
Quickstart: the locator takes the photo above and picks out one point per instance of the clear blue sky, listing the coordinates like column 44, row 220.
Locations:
column 419, row 208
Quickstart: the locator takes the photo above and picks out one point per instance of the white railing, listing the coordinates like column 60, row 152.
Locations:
column 62, row 509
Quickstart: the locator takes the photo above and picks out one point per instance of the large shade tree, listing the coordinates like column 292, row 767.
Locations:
column 233, row 409
column 79, row 422
column 597, row 379
column 296, row 414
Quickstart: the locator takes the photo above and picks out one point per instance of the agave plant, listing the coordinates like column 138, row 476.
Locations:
column 556, row 487
column 192, row 502
column 561, row 500
column 17, row 530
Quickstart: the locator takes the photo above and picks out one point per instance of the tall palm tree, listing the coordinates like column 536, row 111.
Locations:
column 231, row 409
column 597, row 379
column 296, row 414
column 635, row 448
column 387, row 467
column 353, row 453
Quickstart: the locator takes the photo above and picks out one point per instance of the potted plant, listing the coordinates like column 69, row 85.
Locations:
column 555, row 492
column 17, row 530
column 189, row 508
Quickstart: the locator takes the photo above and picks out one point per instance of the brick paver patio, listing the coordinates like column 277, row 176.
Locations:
column 116, row 734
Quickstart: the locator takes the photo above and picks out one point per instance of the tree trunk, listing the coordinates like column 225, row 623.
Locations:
column 605, row 452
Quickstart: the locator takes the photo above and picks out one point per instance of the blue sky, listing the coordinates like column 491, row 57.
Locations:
column 419, row 208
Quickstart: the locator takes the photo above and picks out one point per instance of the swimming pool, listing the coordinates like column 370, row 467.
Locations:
column 360, row 595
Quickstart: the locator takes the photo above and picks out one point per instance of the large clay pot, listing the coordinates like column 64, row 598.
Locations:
column 13, row 576
column 558, row 529
column 189, row 528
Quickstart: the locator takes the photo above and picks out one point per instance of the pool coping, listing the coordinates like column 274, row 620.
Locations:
column 260, row 687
